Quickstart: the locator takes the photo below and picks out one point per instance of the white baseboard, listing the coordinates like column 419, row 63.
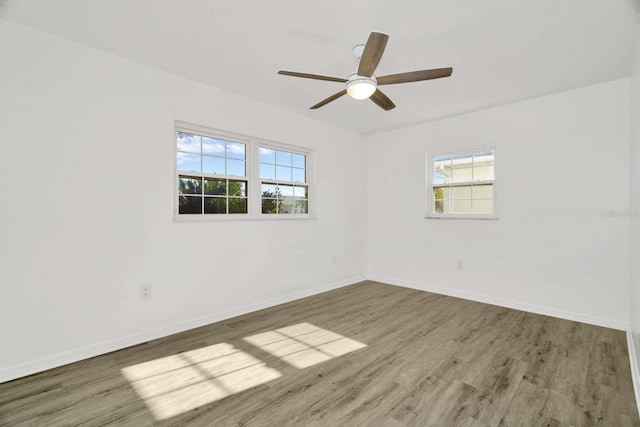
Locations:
column 547, row 311
column 635, row 373
column 38, row 365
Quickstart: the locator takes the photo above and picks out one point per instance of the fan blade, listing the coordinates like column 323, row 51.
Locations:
column 372, row 54
column 312, row 76
column 382, row 100
column 415, row 76
column 329, row 99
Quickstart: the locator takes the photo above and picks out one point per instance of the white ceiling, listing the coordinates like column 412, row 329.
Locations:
column 500, row 50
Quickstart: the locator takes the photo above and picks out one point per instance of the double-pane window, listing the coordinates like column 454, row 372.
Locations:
column 462, row 184
column 222, row 175
column 212, row 176
column 283, row 177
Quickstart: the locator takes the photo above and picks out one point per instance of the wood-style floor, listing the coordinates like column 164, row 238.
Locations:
column 365, row 355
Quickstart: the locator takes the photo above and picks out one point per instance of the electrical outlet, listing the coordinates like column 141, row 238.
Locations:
column 460, row 265
column 334, row 259
column 145, row 292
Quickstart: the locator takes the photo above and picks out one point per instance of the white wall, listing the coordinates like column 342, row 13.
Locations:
column 86, row 206
column 561, row 160
column 635, row 198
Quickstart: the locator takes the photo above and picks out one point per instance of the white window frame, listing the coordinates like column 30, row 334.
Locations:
column 275, row 181
column 429, row 178
column 254, row 183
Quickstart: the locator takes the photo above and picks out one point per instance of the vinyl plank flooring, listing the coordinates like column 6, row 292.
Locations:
column 368, row 354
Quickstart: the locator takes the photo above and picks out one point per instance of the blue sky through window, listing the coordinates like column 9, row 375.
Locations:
column 282, row 165
column 202, row 154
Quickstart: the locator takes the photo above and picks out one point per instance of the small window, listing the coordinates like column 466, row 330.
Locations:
column 212, row 175
column 283, row 177
column 462, row 184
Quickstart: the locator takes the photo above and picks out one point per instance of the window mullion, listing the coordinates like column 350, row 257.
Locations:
column 463, row 184
column 254, row 192
column 202, row 201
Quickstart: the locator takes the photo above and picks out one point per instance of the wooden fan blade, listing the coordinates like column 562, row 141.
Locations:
column 372, row 54
column 415, row 76
column 312, row 76
column 382, row 100
column 329, row 99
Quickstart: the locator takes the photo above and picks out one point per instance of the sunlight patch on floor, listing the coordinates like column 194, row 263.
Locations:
column 175, row 384
column 304, row 344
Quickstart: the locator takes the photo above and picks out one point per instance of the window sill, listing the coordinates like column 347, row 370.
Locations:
column 459, row 217
column 241, row 218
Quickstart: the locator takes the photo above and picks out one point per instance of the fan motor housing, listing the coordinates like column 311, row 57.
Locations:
column 356, row 77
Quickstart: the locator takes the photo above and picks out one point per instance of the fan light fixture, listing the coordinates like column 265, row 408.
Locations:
column 360, row 87
column 363, row 84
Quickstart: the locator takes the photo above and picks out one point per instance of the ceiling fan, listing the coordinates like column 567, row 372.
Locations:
column 363, row 84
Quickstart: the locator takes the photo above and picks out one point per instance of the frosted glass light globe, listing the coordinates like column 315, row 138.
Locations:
column 361, row 87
